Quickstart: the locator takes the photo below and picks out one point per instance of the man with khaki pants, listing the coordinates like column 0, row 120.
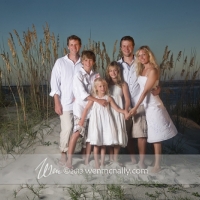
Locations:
column 136, row 126
column 61, row 90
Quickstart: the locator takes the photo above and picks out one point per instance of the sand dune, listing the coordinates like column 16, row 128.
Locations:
column 40, row 163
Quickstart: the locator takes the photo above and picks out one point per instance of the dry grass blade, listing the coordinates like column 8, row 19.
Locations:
column 179, row 55
column 191, row 62
column 114, row 49
column 166, row 53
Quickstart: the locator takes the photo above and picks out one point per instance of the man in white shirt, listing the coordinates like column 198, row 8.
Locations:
column 136, row 126
column 61, row 89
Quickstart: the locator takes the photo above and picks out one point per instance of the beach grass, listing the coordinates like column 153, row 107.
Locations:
column 28, row 66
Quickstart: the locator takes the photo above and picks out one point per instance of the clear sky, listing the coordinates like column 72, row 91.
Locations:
column 156, row 23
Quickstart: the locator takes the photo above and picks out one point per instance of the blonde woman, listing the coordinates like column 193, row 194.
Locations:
column 160, row 126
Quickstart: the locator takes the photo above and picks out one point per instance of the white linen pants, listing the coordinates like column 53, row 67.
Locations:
column 67, row 123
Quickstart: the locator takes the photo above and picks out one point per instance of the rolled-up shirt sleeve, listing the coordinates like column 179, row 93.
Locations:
column 55, row 80
column 80, row 87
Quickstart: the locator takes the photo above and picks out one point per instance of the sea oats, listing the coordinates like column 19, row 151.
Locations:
column 182, row 72
column 194, row 75
column 34, row 32
column 46, row 36
column 104, row 46
column 171, row 61
column 12, row 49
column 114, row 49
column 65, row 51
column 99, row 49
column 41, row 47
column 185, row 60
column 58, row 42
column 162, row 65
column 89, row 43
column 191, row 62
column 96, row 48
column 18, row 38
column 187, row 76
column 6, row 60
column 119, row 54
column 166, row 53
column 179, row 56
column 98, row 65
column 54, row 47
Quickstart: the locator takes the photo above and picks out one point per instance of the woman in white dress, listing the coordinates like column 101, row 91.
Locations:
column 101, row 130
column 160, row 125
column 118, row 89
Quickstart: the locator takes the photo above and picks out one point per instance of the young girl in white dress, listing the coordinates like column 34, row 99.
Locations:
column 159, row 124
column 101, row 131
column 118, row 89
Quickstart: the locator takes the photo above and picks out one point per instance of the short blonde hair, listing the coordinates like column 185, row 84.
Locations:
column 115, row 65
column 96, row 81
column 152, row 60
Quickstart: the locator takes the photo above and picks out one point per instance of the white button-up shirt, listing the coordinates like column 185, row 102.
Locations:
column 130, row 77
column 82, row 88
column 61, row 81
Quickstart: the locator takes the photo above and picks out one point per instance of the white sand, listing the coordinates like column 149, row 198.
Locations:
column 183, row 170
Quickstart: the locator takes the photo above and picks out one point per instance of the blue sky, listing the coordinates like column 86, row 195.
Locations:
column 156, row 23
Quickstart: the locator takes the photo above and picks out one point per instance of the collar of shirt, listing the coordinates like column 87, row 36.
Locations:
column 126, row 64
column 67, row 58
column 85, row 73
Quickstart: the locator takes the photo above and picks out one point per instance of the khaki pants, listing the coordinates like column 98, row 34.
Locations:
column 137, row 125
column 67, row 123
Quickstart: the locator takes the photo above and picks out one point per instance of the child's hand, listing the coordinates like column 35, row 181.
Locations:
column 126, row 115
column 97, row 76
column 80, row 123
column 156, row 91
column 102, row 102
column 133, row 111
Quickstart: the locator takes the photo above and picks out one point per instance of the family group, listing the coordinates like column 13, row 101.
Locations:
column 110, row 112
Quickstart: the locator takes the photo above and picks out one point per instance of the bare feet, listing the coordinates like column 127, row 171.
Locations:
column 68, row 166
column 155, row 169
column 142, row 165
column 63, row 159
column 87, row 161
column 133, row 161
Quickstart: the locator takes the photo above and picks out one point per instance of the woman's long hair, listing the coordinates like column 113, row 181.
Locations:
column 152, row 60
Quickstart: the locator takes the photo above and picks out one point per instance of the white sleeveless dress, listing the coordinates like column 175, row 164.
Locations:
column 160, row 125
column 117, row 95
column 101, row 130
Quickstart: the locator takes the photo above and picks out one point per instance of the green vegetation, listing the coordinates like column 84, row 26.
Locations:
column 28, row 65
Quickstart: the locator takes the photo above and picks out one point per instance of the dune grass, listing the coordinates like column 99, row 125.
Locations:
column 29, row 63
column 28, row 66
